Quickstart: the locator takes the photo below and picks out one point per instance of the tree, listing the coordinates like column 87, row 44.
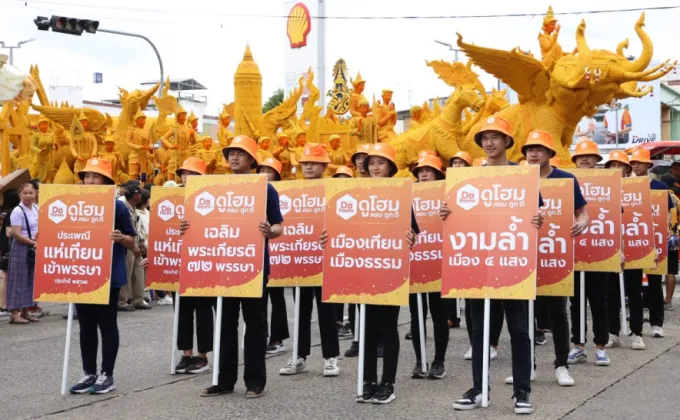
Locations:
column 273, row 101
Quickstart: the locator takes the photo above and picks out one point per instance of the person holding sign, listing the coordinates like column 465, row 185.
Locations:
column 587, row 156
column 641, row 163
column 343, row 172
column 314, row 162
column 272, row 168
column 538, row 150
column 242, row 157
column 104, row 317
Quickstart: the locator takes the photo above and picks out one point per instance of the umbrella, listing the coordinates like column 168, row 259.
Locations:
column 657, row 148
column 13, row 180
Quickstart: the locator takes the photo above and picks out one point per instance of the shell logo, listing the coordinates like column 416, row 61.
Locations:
column 299, row 25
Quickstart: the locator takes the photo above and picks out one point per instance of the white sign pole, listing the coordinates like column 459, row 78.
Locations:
column 356, row 323
column 582, row 307
column 362, row 346
column 485, row 354
column 622, row 291
column 421, row 327
column 175, row 332
column 67, row 349
column 218, row 338
column 296, row 326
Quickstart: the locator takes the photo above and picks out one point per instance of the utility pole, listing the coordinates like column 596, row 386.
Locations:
column 14, row 47
column 446, row 44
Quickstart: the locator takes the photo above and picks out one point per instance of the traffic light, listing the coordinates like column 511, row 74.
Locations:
column 67, row 25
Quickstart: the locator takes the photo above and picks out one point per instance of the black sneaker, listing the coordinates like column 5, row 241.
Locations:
column 199, row 365
column 522, row 403
column 353, row 351
column 381, row 350
column 408, row 335
column 255, row 392
column 126, row 308
column 437, row 370
column 183, row 364
column 274, row 348
column 84, row 385
column 471, row 400
column 418, row 371
column 103, row 385
column 215, row 390
column 368, row 393
column 384, row 394
column 539, row 337
column 345, row 332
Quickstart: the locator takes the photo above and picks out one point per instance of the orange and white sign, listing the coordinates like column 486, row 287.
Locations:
column 598, row 248
column 299, row 25
column 223, row 250
column 638, row 226
column 555, row 243
column 167, row 210
column 490, row 245
column 426, row 255
column 366, row 259
column 296, row 257
column 73, row 259
column 660, row 217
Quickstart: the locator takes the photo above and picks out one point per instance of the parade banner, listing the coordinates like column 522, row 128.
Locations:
column 296, row 257
column 638, row 235
column 366, row 259
column 167, row 210
column 426, row 255
column 223, row 250
column 73, row 259
column 598, row 248
column 490, row 245
column 660, row 217
column 555, row 244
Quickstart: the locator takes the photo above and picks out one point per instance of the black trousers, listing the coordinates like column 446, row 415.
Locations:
column 255, row 346
column 653, row 299
column 496, row 321
column 542, row 315
column 381, row 320
column 104, row 318
column 518, row 326
column 452, row 304
column 556, row 307
column 632, row 280
column 279, row 319
column 203, row 307
column 326, row 313
column 439, row 310
column 351, row 313
column 596, row 295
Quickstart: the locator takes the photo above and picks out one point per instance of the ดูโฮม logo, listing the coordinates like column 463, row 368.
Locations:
column 467, row 197
column 204, row 203
column 346, row 207
column 56, row 212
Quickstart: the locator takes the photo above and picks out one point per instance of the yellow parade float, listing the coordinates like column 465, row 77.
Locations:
column 554, row 93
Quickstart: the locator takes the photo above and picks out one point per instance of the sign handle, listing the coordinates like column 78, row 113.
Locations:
column 421, row 333
column 67, row 349
column 532, row 336
column 485, row 354
column 356, row 324
column 218, row 339
column 175, row 332
column 362, row 344
column 459, row 302
column 296, row 325
column 582, row 307
column 622, row 291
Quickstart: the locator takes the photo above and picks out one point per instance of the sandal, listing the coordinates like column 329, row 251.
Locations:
column 32, row 319
column 18, row 321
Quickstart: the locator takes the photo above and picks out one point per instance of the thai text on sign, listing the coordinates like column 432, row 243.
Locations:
column 223, row 250
column 165, row 242
column 366, row 259
column 296, row 257
column 490, row 244
column 426, row 255
column 638, row 234
column 660, row 218
column 73, row 260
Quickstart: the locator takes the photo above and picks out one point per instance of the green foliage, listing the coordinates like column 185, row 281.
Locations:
column 273, row 101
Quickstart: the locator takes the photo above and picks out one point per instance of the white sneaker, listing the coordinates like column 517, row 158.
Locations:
column 331, row 367
column 493, row 353
column 164, row 301
column 562, row 376
column 637, row 343
column 576, row 355
column 645, row 315
column 509, row 380
column 468, row 354
column 614, row 341
column 657, row 332
column 293, row 367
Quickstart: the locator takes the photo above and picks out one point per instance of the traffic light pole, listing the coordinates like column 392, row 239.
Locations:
column 160, row 62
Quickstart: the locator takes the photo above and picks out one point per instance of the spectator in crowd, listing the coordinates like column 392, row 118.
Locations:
column 10, row 201
column 132, row 293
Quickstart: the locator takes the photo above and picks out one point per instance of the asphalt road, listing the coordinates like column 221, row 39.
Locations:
column 638, row 383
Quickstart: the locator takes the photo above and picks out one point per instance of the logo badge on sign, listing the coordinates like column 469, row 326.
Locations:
column 57, row 212
column 285, row 204
column 346, row 207
column 205, row 203
column 299, row 25
column 467, row 197
column 166, row 210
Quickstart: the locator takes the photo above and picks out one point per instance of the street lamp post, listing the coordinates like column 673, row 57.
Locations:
column 12, row 48
column 446, row 44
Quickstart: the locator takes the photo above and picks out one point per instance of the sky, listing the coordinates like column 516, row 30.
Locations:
column 205, row 40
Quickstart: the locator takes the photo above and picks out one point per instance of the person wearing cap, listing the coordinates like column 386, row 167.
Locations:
column 673, row 244
column 632, row 279
column 461, row 160
column 272, row 168
column 141, row 147
column 104, row 318
column 242, row 157
column 429, row 169
column 495, row 139
column 586, row 156
column 343, row 172
column 653, row 294
column 314, row 161
column 539, row 150
column 357, row 160
column 381, row 320
column 190, row 305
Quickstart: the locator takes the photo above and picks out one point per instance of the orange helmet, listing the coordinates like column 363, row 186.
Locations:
column 618, row 156
column 586, row 147
column 98, row 166
column 343, row 170
column 642, row 156
column 494, row 123
column 246, row 144
column 464, row 156
column 361, row 149
column 384, row 150
column 315, row 153
column 430, row 162
column 539, row 138
column 193, row 164
column 272, row 163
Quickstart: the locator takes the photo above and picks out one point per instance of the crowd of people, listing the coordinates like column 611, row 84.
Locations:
column 130, row 238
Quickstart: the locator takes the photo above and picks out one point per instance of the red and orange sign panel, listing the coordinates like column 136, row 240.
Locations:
column 223, row 250
column 638, row 226
column 366, row 259
column 296, row 257
column 426, row 256
column 490, row 245
column 73, row 261
column 167, row 210
column 660, row 217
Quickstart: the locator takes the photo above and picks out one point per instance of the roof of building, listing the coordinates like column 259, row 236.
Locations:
column 181, row 84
